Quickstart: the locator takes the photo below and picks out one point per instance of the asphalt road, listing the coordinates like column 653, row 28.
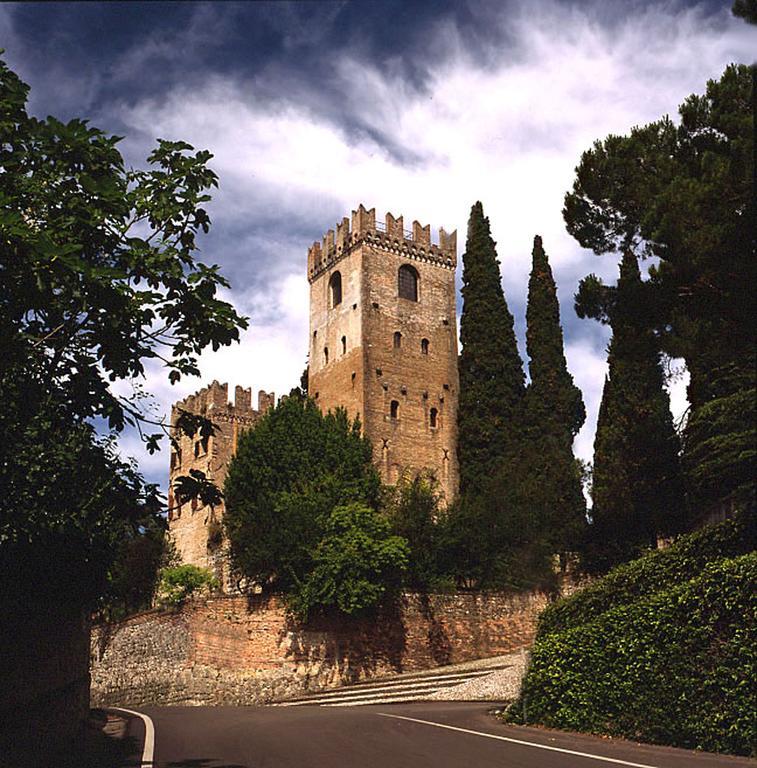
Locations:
column 383, row 737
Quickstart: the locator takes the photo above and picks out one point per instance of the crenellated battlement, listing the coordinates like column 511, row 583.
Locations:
column 213, row 400
column 391, row 235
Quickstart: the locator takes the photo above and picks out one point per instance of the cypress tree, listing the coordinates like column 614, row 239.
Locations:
column 551, row 383
column 491, row 372
column 553, row 410
column 637, row 484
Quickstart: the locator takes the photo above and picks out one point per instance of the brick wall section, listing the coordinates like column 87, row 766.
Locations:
column 189, row 523
column 235, row 650
column 365, row 370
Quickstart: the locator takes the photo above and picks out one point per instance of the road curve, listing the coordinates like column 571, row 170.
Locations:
column 422, row 735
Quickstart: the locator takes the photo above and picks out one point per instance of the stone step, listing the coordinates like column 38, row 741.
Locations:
column 368, row 697
column 405, row 679
column 404, row 689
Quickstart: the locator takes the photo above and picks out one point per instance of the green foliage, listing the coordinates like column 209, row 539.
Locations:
column 134, row 574
column 685, row 194
column 720, row 446
column 501, row 538
column 521, row 491
column 68, row 502
column 491, row 371
column 637, row 486
column 179, row 583
column 675, row 667
column 553, row 413
column 746, row 9
column 357, row 564
column 290, row 471
column 414, row 510
column 654, row 572
column 552, row 386
column 85, row 300
column 97, row 276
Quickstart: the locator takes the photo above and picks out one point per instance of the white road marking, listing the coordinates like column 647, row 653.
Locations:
column 148, row 753
column 520, row 741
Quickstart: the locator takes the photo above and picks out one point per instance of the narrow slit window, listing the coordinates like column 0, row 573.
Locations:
column 407, row 282
column 394, row 409
column 335, row 289
column 424, row 346
column 397, row 339
column 325, row 355
column 344, row 345
column 432, row 417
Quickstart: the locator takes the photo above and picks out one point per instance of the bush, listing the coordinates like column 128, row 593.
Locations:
column 676, row 667
column 357, row 564
column 182, row 582
column 413, row 509
column 290, row 471
column 657, row 570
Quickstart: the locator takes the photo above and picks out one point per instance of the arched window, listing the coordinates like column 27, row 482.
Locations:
column 394, row 409
column 397, row 339
column 335, row 289
column 407, row 282
column 344, row 345
column 325, row 355
column 432, row 418
column 424, row 346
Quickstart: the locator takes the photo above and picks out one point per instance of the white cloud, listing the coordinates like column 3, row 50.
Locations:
column 509, row 133
column 589, row 368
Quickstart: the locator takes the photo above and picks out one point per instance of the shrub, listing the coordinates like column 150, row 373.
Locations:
column 657, row 570
column 288, row 474
column 357, row 564
column 676, row 667
column 182, row 582
column 413, row 509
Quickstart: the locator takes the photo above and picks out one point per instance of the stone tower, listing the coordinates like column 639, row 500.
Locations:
column 194, row 528
column 383, row 340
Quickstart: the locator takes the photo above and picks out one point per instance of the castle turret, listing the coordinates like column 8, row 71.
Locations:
column 194, row 527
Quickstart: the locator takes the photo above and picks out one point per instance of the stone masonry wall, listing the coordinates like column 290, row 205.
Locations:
column 374, row 348
column 192, row 523
column 235, row 650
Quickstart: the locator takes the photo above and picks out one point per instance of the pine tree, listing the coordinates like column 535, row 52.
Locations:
column 491, row 372
column 637, row 484
column 553, row 409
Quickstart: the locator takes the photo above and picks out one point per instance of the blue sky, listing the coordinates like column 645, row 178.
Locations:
column 418, row 108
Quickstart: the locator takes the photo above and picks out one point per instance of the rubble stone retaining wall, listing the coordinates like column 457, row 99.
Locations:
column 239, row 650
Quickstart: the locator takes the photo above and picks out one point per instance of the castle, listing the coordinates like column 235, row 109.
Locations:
column 383, row 345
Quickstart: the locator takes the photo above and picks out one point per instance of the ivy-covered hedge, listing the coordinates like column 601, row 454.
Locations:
column 676, row 667
column 657, row 570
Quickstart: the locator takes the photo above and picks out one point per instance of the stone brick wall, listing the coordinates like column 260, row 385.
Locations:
column 235, row 650
column 365, row 370
column 189, row 523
